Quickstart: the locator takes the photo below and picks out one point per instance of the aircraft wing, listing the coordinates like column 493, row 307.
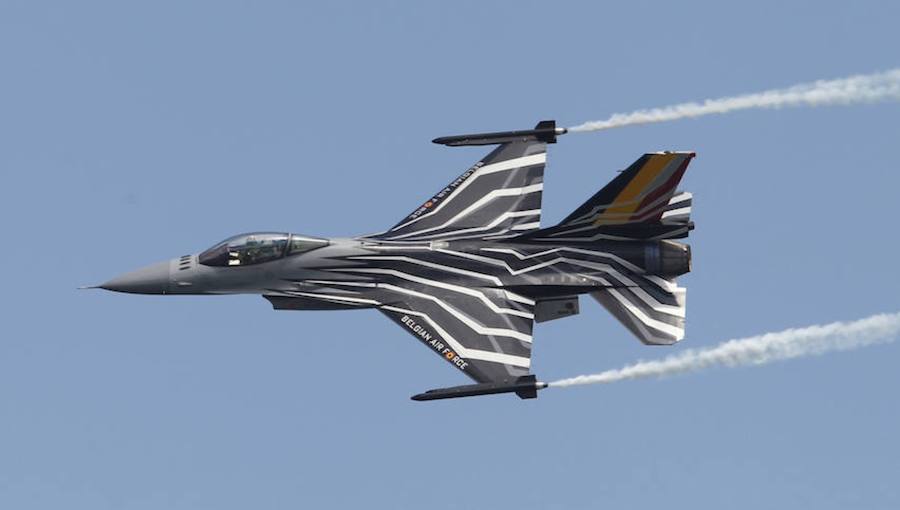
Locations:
column 498, row 196
column 483, row 332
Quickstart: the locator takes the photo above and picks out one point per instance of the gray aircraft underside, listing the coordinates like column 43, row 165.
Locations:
column 470, row 271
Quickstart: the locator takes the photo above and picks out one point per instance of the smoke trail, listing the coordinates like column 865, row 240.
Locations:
column 758, row 350
column 855, row 89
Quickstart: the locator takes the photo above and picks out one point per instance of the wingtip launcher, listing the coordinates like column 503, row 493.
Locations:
column 545, row 131
column 525, row 387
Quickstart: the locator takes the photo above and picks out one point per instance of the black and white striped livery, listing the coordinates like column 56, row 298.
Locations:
column 470, row 271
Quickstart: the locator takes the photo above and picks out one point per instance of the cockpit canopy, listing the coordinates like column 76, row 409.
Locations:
column 258, row 247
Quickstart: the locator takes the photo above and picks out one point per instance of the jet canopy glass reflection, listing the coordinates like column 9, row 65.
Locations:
column 257, row 248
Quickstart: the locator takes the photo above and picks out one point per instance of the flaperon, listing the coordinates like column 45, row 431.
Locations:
column 470, row 270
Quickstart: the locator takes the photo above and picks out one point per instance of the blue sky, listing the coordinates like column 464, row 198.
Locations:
column 133, row 133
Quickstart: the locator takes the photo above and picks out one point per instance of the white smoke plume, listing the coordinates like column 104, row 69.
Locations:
column 863, row 88
column 758, row 350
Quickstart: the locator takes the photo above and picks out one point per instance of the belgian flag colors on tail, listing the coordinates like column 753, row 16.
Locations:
column 640, row 194
column 640, row 203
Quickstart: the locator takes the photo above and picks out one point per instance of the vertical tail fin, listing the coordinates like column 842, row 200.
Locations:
column 640, row 203
column 640, row 194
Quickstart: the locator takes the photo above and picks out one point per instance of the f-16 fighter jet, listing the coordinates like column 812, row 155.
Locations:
column 470, row 270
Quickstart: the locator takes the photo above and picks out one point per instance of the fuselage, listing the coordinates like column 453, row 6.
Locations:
column 346, row 273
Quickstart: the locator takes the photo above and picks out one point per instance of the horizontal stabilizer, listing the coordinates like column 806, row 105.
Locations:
column 678, row 210
column 655, row 317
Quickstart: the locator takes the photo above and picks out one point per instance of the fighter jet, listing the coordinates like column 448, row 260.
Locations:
column 470, row 270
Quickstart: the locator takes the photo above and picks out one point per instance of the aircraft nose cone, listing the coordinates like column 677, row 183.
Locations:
column 152, row 279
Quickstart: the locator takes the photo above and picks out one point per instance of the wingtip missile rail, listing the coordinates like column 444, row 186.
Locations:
column 525, row 387
column 545, row 131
